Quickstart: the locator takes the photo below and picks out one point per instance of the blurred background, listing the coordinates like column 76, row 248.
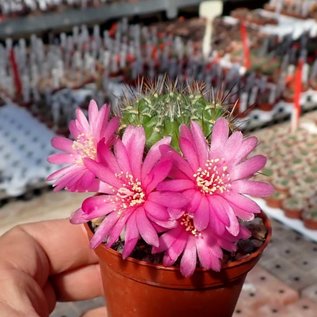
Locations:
column 261, row 55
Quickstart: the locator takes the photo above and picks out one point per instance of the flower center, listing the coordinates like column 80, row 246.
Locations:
column 187, row 221
column 131, row 193
column 84, row 146
column 214, row 178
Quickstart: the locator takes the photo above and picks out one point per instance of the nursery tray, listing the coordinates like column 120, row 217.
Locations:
column 295, row 224
column 288, row 25
column 15, row 27
column 24, row 148
column 282, row 110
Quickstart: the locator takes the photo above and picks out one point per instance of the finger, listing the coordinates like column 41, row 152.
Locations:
column 66, row 245
column 22, row 294
column 78, row 284
column 45, row 248
column 10, row 311
column 97, row 312
column 50, row 296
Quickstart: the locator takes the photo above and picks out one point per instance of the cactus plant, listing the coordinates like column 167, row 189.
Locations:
column 161, row 108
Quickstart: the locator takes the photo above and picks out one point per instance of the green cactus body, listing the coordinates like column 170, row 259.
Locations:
column 162, row 108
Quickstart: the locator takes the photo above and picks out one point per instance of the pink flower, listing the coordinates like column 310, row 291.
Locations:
column 87, row 134
column 130, row 203
column 216, row 177
column 187, row 242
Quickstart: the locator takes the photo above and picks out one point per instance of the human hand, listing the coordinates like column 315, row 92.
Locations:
column 45, row 262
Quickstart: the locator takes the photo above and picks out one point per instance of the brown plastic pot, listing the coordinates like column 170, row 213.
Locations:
column 135, row 288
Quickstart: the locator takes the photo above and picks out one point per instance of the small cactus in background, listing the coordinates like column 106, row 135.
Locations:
column 163, row 106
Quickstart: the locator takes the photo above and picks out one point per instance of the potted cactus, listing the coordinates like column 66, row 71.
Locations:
column 169, row 175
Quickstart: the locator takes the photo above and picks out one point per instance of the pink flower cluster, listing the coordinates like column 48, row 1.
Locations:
column 189, row 205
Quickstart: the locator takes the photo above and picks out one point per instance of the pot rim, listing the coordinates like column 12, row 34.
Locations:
column 228, row 265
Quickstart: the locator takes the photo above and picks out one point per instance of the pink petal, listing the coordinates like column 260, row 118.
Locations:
column 248, row 145
column 161, row 225
column 189, row 153
column 242, row 202
column 106, row 156
column 167, row 260
column 201, row 215
column 245, row 233
column 109, row 131
column 75, row 184
column 203, row 252
column 153, row 156
column 167, row 239
column 93, row 187
column 248, row 168
column 131, row 236
column 175, row 213
column 98, row 206
column 88, row 183
column 181, row 167
column 157, row 175
column 234, row 226
column 100, row 211
column 189, row 258
column 85, row 182
column 117, row 229
column 233, row 145
column 215, row 263
column 186, row 133
column 220, row 133
column 155, row 210
column 90, row 203
column 215, row 250
column 218, row 209
column 61, row 158
column 195, row 198
column 253, row 188
column 178, row 246
column 200, row 143
column 145, row 228
column 92, row 112
column 73, row 129
column 102, row 173
column 102, row 187
column 68, row 180
column 227, row 245
column 176, row 185
column 101, row 122
column 168, row 199
column 62, row 143
column 78, row 217
column 175, row 173
column 122, row 156
column 134, row 141
column 82, row 120
column 103, row 230
column 243, row 215
column 63, row 171
column 216, row 225
column 129, row 247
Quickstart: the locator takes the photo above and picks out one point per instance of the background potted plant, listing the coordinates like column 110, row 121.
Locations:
column 170, row 177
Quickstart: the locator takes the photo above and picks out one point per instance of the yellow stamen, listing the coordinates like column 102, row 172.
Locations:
column 85, row 147
column 130, row 194
column 213, row 178
column 188, row 223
